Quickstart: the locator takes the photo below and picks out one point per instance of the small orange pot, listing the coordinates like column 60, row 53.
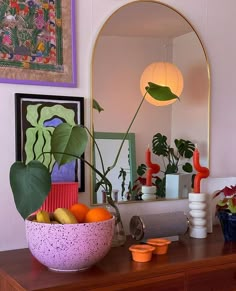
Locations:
column 142, row 253
column 160, row 244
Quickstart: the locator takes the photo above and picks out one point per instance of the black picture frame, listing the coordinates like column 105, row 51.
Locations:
column 34, row 113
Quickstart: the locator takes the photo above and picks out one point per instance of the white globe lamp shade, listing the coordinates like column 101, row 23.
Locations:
column 164, row 74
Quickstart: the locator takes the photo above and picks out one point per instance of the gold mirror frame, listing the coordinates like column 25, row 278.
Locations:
column 207, row 163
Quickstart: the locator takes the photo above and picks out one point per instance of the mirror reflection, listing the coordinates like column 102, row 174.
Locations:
column 136, row 35
column 123, row 175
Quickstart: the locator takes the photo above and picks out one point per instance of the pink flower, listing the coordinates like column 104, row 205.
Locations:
column 39, row 21
column 6, row 39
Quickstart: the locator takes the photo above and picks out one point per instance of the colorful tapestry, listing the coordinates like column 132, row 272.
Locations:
column 31, row 34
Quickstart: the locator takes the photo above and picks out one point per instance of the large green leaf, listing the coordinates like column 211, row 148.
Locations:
column 171, row 168
column 68, row 142
column 161, row 187
column 142, row 168
column 30, row 185
column 187, row 167
column 185, row 148
column 160, row 93
column 159, row 145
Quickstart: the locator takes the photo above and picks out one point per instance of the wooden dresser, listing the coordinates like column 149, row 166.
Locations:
column 191, row 264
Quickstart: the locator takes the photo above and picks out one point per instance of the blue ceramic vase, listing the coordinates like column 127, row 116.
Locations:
column 228, row 225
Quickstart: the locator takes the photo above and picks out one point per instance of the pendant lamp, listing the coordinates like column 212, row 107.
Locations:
column 164, row 74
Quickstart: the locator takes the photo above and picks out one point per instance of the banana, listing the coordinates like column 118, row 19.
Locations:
column 64, row 216
column 43, row 216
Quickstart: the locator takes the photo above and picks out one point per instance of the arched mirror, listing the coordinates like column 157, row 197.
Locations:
column 134, row 36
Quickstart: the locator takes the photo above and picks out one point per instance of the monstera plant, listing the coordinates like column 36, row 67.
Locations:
column 31, row 181
column 173, row 160
column 173, row 156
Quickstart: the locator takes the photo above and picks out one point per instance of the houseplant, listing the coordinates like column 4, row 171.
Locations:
column 226, row 211
column 171, row 157
column 31, row 182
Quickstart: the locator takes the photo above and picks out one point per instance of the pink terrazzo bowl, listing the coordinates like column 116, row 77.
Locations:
column 69, row 247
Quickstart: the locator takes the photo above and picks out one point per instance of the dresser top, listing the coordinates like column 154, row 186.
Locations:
column 23, row 270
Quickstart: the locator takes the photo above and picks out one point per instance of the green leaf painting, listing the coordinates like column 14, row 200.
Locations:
column 39, row 117
column 38, row 138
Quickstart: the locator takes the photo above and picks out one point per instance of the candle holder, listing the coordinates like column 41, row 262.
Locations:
column 198, row 215
column 149, row 193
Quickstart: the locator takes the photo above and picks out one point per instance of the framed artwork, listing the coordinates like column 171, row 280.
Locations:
column 37, row 42
column 36, row 118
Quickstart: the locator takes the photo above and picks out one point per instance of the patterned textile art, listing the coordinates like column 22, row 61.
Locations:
column 31, row 36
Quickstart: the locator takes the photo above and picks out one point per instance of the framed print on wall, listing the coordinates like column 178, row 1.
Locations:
column 36, row 118
column 37, row 42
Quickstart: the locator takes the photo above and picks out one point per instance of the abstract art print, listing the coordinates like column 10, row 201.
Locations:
column 37, row 42
column 36, row 118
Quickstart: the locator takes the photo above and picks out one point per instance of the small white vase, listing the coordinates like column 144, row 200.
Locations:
column 149, row 193
column 198, row 215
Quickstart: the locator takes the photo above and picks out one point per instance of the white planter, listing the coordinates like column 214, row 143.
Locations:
column 178, row 185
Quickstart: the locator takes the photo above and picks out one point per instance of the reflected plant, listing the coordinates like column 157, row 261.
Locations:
column 122, row 175
column 171, row 158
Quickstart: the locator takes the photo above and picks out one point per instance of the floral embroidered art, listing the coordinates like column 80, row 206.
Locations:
column 31, row 34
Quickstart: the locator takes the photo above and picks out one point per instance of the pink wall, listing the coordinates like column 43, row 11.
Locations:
column 119, row 63
column 190, row 116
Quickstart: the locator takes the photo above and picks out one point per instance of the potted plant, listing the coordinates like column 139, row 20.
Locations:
column 226, row 211
column 171, row 159
column 31, row 182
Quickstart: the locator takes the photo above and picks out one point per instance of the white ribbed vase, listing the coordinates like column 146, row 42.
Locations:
column 149, row 193
column 198, row 215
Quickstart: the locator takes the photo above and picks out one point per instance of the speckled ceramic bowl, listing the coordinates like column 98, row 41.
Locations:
column 69, row 247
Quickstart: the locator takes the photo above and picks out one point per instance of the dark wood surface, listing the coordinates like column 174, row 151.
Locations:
column 190, row 264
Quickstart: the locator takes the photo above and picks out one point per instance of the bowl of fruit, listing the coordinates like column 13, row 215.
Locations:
column 70, row 239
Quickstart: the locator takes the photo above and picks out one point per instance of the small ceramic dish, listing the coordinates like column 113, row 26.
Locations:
column 142, row 252
column 160, row 244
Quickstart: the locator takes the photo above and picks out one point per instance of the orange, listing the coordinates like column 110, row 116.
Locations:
column 97, row 214
column 79, row 210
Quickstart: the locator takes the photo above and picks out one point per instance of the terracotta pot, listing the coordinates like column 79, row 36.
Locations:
column 142, row 252
column 160, row 244
column 62, row 194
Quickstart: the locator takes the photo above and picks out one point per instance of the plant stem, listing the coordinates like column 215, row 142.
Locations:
column 103, row 179
column 97, row 147
column 123, row 140
column 132, row 121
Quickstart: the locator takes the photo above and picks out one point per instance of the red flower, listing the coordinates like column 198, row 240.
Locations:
column 229, row 191
column 228, row 201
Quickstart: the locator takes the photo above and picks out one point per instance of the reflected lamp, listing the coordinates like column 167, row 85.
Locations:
column 164, row 74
